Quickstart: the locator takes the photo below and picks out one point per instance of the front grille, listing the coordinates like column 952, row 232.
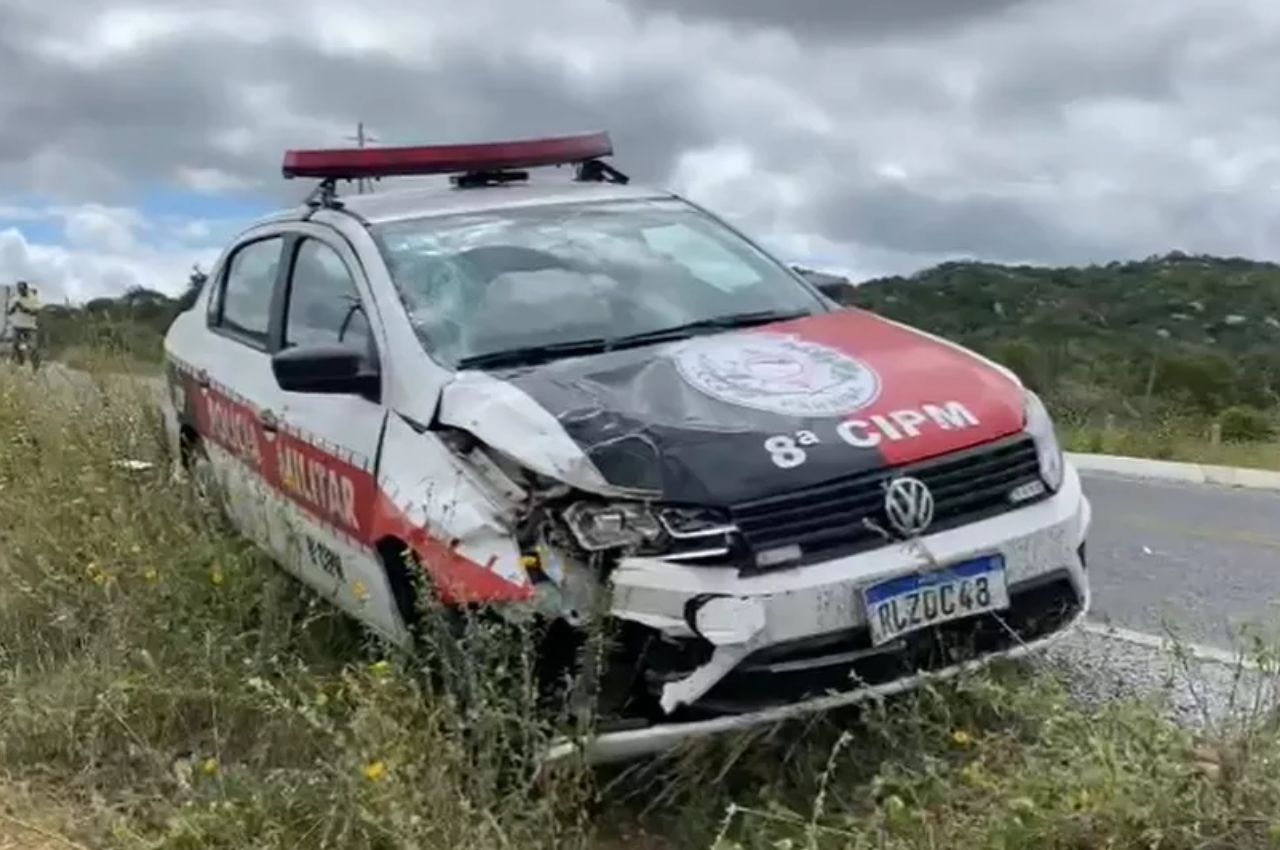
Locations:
column 831, row 519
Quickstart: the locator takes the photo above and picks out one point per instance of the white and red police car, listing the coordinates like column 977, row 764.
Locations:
column 598, row 403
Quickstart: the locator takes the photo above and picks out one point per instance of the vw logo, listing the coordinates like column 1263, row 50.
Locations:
column 908, row 505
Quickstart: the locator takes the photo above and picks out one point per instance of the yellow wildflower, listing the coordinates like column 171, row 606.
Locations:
column 209, row 766
column 374, row 771
column 961, row 738
column 216, row 577
column 381, row 669
column 151, row 575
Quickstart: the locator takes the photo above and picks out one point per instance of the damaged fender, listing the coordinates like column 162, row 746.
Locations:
column 504, row 417
column 458, row 526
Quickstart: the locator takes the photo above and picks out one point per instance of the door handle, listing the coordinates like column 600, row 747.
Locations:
column 268, row 421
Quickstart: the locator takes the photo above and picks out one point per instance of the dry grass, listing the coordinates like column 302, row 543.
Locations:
column 31, row 821
column 1171, row 443
column 164, row 688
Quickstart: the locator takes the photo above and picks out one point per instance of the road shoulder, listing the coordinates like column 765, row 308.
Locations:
column 1165, row 470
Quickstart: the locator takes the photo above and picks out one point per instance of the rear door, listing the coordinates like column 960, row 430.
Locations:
column 326, row 445
column 226, row 368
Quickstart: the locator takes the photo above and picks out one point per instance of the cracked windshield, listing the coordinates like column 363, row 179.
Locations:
column 482, row 286
column 610, row 424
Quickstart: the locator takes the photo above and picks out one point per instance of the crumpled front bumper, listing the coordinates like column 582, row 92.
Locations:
column 764, row 610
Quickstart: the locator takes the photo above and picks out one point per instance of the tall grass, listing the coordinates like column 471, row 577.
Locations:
column 1162, row 442
column 163, row 687
column 159, row 672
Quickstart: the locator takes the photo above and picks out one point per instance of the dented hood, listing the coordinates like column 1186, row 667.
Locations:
column 730, row 417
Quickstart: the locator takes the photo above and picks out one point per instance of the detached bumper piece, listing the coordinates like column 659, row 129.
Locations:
column 804, row 669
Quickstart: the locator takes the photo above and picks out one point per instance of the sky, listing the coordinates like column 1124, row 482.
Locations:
column 860, row 136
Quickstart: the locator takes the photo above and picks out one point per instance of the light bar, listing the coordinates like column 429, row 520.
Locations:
column 352, row 163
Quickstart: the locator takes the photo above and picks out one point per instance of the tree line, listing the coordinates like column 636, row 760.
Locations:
column 1176, row 335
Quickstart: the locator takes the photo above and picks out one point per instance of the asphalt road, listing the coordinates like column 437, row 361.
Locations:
column 1198, row 560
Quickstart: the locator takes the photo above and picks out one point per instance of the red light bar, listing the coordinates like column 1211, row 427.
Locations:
column 351, row 163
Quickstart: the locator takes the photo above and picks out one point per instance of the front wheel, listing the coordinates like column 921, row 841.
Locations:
column 205, row 487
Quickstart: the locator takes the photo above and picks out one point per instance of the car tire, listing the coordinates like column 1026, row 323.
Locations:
column 205, row 487
column 428, row 623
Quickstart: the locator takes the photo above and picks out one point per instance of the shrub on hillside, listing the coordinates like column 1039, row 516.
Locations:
column 1243, row 424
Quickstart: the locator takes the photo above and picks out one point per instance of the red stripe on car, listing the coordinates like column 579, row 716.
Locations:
column 455, row 577
column 933, row 399
column 341, row 495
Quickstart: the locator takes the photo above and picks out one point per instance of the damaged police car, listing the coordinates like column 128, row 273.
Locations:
column 590, row 401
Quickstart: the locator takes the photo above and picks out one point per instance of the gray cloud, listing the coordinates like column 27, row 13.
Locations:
column 164, row 107
column 473, row 97
column 844, row 19
column 911, row 222
column 1041, row 130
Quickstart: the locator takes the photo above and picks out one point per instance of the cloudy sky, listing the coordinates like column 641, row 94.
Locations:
column 862, row 135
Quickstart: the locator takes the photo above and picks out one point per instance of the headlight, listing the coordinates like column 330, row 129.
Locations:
column 609, row 526
column 1040, row 427
column 678, row 533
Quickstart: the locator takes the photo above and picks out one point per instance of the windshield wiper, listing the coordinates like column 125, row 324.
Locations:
column 717, row 323
column 529, row 354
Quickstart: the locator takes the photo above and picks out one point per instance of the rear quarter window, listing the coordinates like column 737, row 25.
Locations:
column 243, row 303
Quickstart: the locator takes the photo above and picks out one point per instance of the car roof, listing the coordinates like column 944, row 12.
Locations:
column 426, row 197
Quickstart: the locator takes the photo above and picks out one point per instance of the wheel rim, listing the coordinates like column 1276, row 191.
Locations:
column 204, row 482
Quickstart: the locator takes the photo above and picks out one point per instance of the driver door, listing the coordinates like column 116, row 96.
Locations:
column 326, row 445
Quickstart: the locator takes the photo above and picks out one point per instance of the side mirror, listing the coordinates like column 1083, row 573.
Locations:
column 835, row 291
column 835, row 288
column 331, row 369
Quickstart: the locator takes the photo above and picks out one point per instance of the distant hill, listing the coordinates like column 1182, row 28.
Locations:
column 1169, row 334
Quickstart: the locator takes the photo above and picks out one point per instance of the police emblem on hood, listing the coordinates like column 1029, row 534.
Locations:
column 777, row 373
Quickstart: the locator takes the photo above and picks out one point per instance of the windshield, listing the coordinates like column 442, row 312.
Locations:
column 499, row 280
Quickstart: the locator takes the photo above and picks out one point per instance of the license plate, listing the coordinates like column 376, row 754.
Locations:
column 909, row 603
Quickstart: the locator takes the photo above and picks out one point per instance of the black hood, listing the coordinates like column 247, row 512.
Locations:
column 731, row 417
column 645, row 428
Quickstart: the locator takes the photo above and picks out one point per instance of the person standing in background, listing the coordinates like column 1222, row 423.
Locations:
column 24, row 315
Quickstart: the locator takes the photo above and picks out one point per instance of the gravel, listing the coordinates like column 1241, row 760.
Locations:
column 1201, row 692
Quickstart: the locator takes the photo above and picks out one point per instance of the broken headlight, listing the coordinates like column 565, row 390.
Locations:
column 684, row 523
column 678, row 533
column 1040, row 427
column 611, row 525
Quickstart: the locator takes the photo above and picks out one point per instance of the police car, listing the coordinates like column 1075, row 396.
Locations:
column 571, row 397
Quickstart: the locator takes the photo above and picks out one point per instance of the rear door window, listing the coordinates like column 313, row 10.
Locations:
column 244, row 304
